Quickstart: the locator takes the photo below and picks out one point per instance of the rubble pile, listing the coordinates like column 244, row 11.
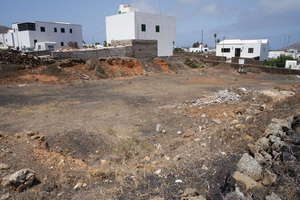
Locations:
column 222, row 96
column 271, row 164
column 16, row 57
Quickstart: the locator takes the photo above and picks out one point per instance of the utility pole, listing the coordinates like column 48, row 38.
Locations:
column 201, row 36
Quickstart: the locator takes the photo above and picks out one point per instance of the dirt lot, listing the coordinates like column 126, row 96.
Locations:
column 144, row 137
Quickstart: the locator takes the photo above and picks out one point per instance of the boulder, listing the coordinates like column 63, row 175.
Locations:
column 273, row 196
column 3, row 166
column 269, row 178
column 246, row 181
column 250, row 167
column 21, row 179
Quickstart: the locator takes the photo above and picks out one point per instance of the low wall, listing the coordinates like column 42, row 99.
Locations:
column 267, row 69
column 39, row 53
column 140, row 49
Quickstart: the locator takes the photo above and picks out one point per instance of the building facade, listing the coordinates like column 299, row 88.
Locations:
column 130, row 24
column 38, row 35
column 290, row 52
column 256, row 49
column 200, row 49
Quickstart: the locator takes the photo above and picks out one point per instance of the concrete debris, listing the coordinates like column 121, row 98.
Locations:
column 5, row 196
column 273, row 196
column 222, row 96
column 21, row 179
column 246, row 181
column 249, row 166
column 3, row 166
column 79, row 185
column 269, row 178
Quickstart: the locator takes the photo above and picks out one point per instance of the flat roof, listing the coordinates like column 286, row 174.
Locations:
column 66, row 23
column 238, row 41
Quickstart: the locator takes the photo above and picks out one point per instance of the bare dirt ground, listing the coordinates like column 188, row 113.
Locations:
column 144, row 137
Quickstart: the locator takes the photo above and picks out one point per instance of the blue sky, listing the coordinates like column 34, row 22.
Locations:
column 277, row 20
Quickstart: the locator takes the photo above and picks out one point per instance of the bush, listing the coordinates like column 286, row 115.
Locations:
column 192, row 63
column 178, row 50
column 278, row 62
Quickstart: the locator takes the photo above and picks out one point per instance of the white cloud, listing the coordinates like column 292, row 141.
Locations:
column 280, row 6
column 210, row 9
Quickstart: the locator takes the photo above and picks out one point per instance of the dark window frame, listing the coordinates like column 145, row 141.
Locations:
column 71, row 30
column 27, row 27
column 62, row 44
column 144, row 28
column 250, row 50
column 55, row 30
column 62, row 30
column 225, row 50
column 43, row 29
column 157, row 28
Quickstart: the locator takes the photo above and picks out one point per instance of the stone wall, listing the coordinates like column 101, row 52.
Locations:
column 138, row 49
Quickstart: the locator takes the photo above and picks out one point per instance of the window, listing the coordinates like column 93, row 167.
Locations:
column 43, row 29
column 71, row 30
column 55, row 30
column 225, row 50
column 143, row 27
column 26, row 27
column 35, row 41
column 62, row 44
column 250, row 50
column 62, row 30
column 157, row 28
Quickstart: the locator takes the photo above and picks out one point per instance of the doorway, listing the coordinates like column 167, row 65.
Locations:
column 237, row 52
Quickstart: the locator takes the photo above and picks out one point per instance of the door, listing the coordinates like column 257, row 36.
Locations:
column 237, row 52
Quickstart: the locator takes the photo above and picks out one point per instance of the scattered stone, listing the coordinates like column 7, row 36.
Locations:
column 3, row 166
column 157, row 172
column 158, row 128
column 277, row 143
column 263, row 143
column 163, row 131
column 217, row 121
column 269, row 178
column 273, row 196
column 236, row 195
column 179, row 132
column 247, row 181
column 249, row 166
column 190, row 192
column 31, row 133
column 21, row 179
column 287, row 156
column 178, row 181
column 79, row 185
column 5, row 196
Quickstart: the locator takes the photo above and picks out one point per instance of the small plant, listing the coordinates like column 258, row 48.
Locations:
column 192, row 63
column 278, row 62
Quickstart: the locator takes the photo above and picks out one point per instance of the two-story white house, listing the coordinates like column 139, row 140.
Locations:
column 43, row 36
column 130, row 24
column 256, row 49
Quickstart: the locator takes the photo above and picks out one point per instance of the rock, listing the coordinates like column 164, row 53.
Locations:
column 287, row 156
column 217, row 121
column 79, row 185
column 273, row 196
column 31, row 133
column 158, row 128
column 247, row 181
column 190, row 192
column 269, row 178
column 49, row 187
column 249, row 166
column 178, row 181
column 157, row 172
column 236, row 195
column 3, row 166
column 194, row 198
column 21, row 179
column 296, row 139
column 179, row 132
column 277, row 143
column 5, row 196
column 274, row 129
column 188, row 133
column 263, row 143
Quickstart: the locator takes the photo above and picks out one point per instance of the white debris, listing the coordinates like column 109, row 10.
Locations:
column 178, row 181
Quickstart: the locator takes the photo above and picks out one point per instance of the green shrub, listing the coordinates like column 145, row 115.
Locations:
column 278, row 62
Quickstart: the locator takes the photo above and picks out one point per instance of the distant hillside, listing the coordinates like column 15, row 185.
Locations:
column 3, row 29
column 294, row 46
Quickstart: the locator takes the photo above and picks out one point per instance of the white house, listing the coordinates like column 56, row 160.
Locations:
column 257, row 49
column 290, row 52
column 292, row 64
column 131, row 24
column 43, row 36
column 200, row 49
